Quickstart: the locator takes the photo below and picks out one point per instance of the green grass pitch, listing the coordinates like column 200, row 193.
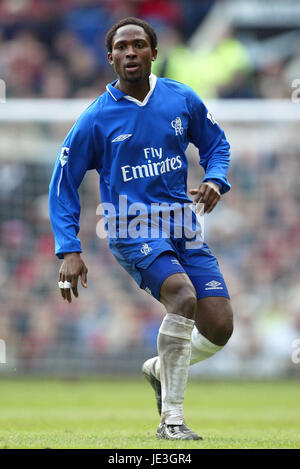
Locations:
column 118, row 413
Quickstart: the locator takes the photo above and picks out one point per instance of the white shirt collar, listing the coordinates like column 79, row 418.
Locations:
column 152, row 83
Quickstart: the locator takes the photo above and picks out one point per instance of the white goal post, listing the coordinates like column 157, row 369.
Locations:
column 32, row 130
column 225, row 110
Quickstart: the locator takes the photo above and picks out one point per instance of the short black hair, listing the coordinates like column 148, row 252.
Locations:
column 131, row 20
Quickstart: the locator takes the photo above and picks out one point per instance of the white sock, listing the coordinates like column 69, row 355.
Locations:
column 174, row 350
column 201, row 349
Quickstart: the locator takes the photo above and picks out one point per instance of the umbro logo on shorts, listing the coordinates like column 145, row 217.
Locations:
column 122, row 137
column 213, row 285
column 175, row 261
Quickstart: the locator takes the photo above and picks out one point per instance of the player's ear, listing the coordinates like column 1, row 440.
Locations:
column 154, row 55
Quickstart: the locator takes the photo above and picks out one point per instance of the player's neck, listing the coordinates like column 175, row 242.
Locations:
column 137, row 90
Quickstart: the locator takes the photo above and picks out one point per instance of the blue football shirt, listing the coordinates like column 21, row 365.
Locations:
column 138, row 149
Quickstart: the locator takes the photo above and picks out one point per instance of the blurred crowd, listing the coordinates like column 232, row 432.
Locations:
column 54, row 49
column 254, row 232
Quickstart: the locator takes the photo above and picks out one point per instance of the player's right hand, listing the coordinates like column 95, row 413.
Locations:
column 72, row 268
column 208, row 193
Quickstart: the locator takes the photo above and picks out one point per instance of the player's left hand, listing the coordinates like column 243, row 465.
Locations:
column 71, row 269
column 208, row 193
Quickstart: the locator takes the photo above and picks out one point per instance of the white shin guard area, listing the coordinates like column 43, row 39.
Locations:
column 174, row 350
column 202, row 348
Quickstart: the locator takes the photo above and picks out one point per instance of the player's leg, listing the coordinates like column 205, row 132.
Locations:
column 212, row 330
column 167, row 281
column 159, row 273
column 178, row 296
column 213, row 320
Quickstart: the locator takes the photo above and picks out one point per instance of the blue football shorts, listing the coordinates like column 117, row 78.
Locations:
column 151, row 261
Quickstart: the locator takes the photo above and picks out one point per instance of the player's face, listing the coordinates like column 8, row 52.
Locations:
column 131, row 53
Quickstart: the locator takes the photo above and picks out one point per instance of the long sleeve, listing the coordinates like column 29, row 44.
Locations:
column 76, row 156
column 209, row 138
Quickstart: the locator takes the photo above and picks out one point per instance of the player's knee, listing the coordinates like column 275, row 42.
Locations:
column 187, row 303
column 180, row 298
column 215, row 319
column 222, row 329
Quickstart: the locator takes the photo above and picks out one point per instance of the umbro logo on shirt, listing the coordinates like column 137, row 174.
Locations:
column 213, row 285
column 122, row 137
